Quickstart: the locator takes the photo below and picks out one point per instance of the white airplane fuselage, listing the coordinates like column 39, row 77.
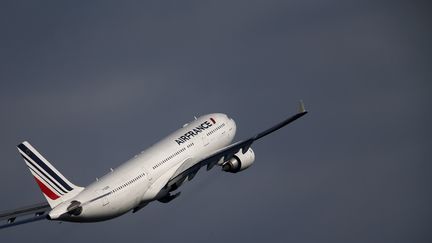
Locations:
column 142, row 179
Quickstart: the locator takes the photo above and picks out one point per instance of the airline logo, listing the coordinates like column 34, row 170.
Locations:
column 195, row 131
column 49, row 180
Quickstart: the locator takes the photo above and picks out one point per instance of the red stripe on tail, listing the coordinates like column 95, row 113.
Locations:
column 46, row 190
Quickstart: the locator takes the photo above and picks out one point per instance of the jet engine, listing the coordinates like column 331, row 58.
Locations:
column 239, row 161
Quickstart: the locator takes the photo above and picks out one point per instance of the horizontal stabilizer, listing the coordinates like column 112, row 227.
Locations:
column 24, row 215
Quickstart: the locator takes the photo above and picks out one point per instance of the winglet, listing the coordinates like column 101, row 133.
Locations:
column 301, row 107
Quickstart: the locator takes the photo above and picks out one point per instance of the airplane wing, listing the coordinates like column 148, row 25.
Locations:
column 229, row 151
column 25, row 214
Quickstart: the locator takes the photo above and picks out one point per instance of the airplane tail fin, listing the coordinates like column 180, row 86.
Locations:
column 54, row 186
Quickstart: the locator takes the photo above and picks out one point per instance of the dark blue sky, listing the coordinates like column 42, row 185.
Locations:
column 91, row 83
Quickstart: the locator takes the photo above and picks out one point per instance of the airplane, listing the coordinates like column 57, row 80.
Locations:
column 153, row 175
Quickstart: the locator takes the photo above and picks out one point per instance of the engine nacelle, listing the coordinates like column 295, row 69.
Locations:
column 239, row 161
